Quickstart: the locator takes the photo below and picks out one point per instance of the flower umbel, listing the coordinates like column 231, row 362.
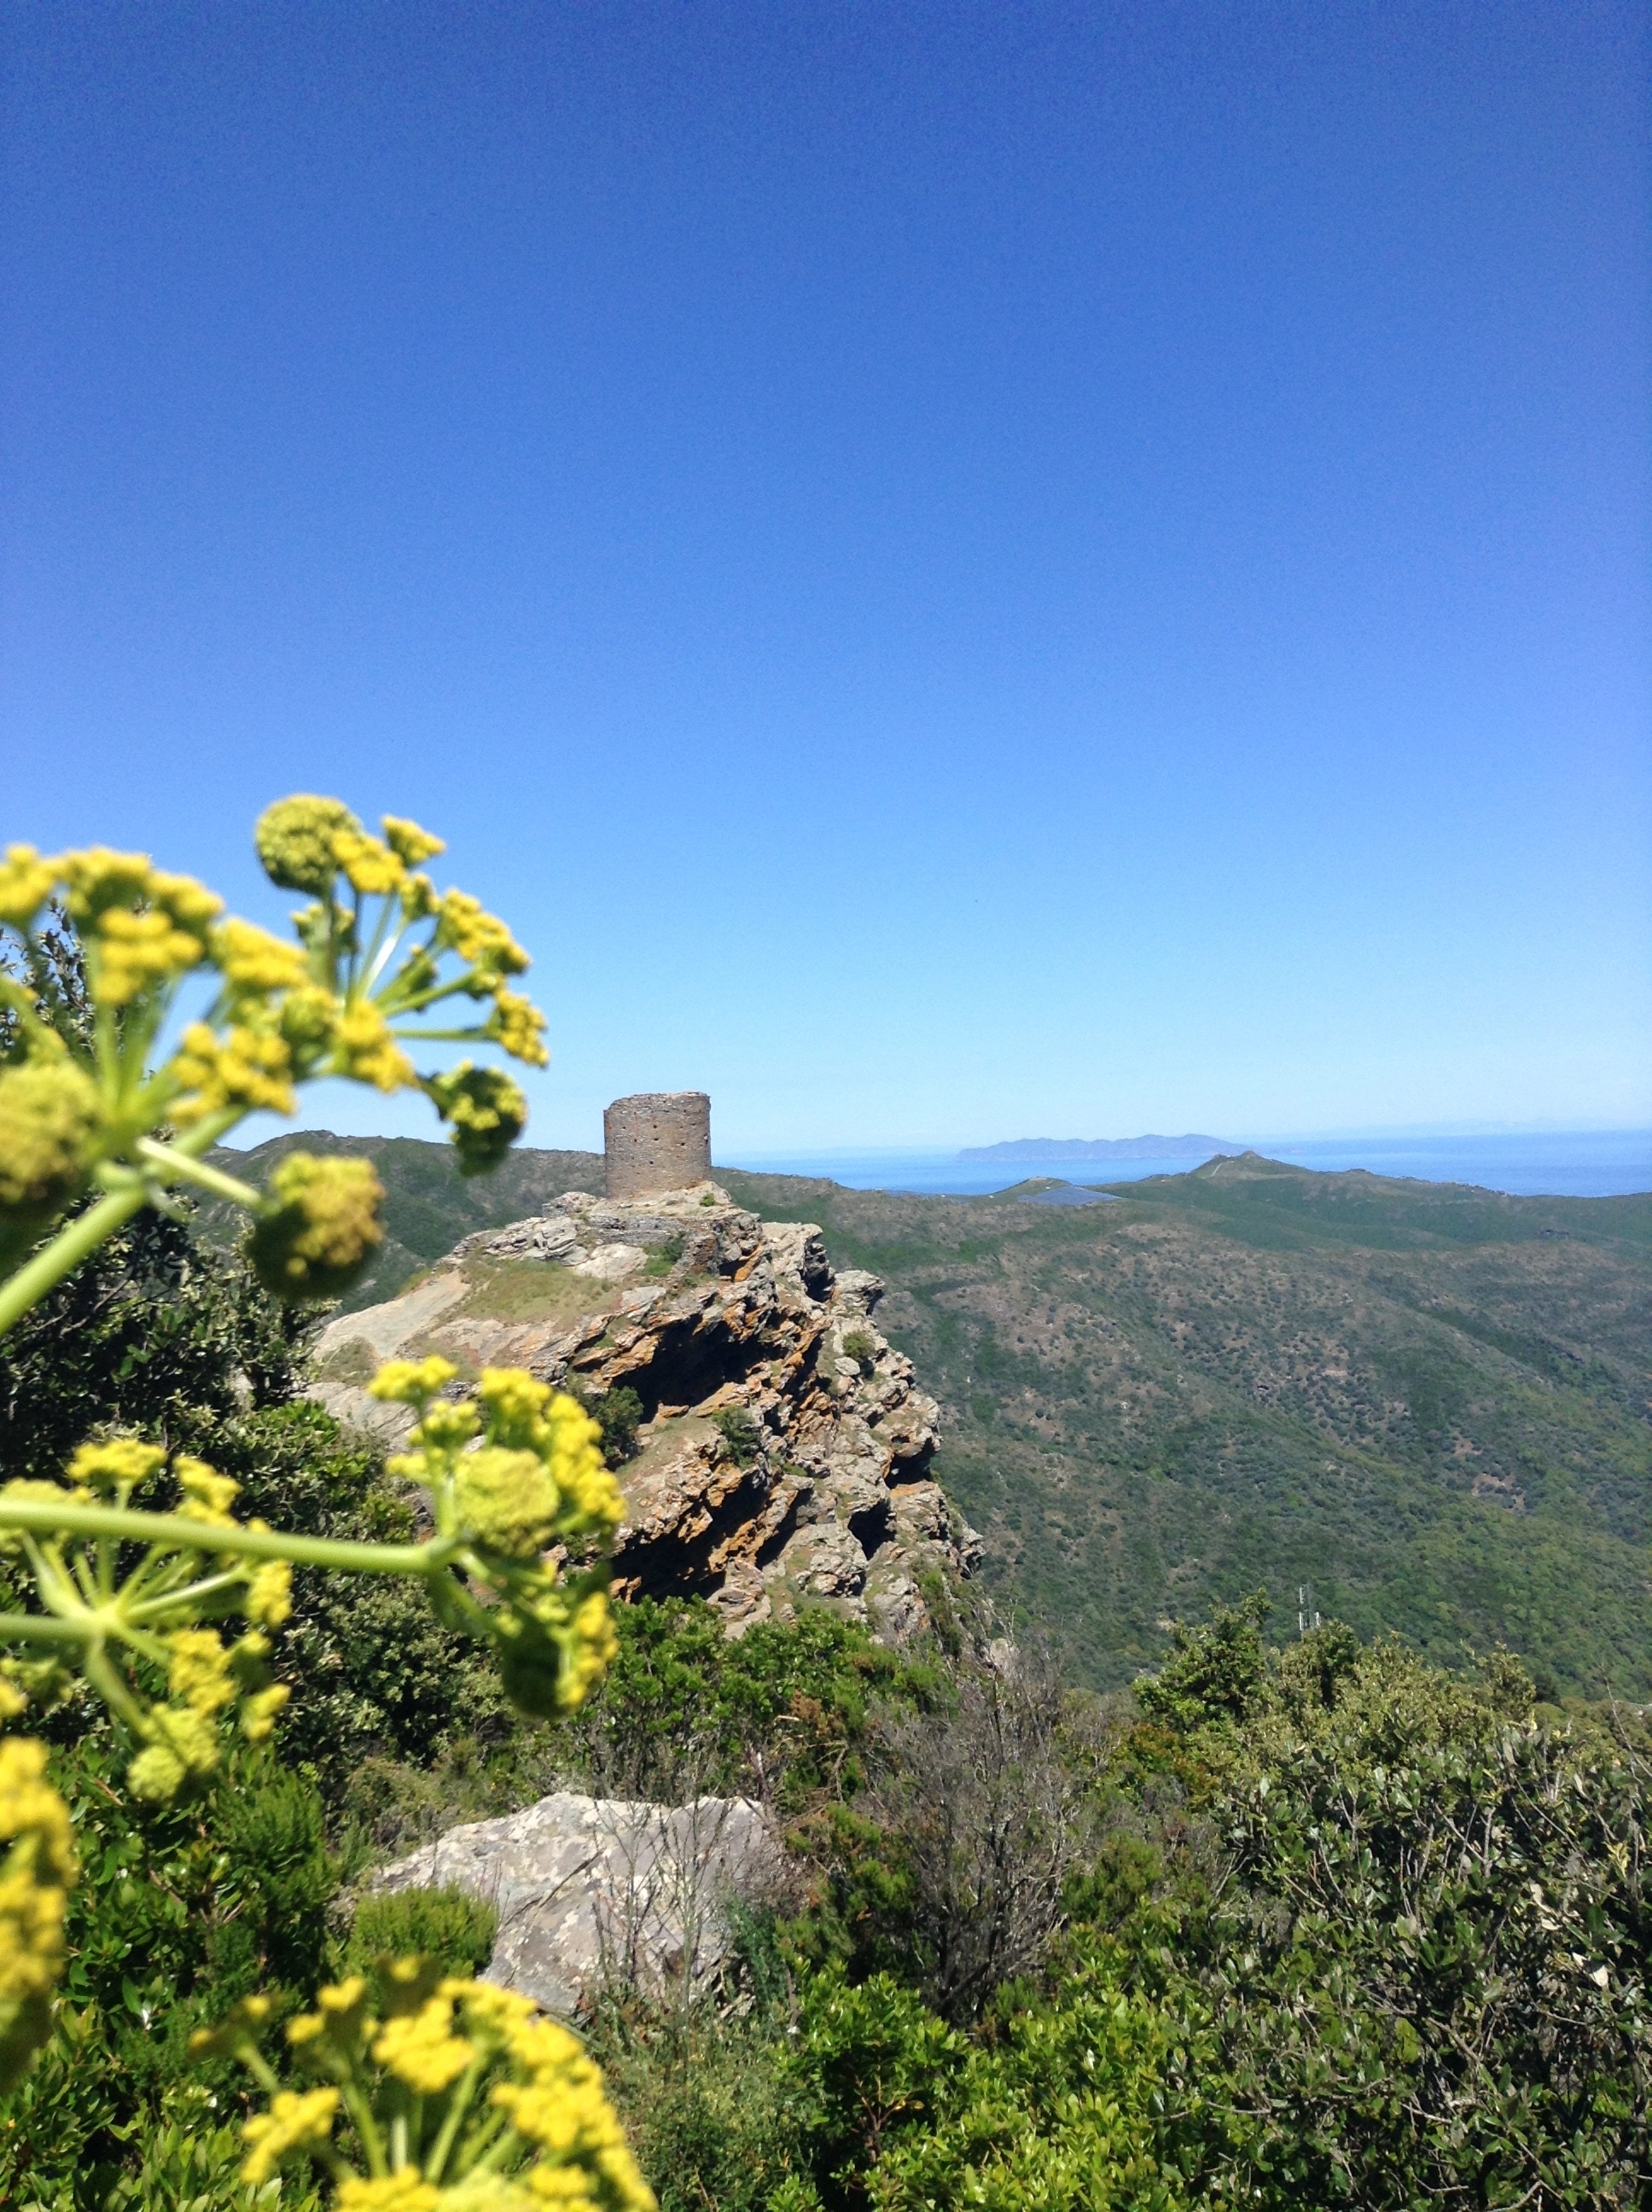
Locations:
column 377, row 952
column 464, row 2099
column 321, row 1227
column 147, row 1645
column 35, row 1877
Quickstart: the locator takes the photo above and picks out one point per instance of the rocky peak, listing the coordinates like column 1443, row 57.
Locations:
column 784, row 1453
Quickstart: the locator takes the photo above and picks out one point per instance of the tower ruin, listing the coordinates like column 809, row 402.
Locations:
column 657, row 1141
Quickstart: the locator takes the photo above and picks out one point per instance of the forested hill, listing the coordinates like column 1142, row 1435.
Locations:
column 1432, row 1403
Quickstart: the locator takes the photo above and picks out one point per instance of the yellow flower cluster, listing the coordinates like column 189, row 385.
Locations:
column 49, row 1116
column 319, row 1227
column 336, row 1003
column 410, row 2069
column 141, row 927
column 154, row 1617
column 513, row 1472
column 296, row 2120
column 35, row 1878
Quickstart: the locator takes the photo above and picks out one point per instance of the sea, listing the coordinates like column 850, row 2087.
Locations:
column 1581, row 1164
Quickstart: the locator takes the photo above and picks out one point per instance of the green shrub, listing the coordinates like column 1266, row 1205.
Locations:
column 740, row 1432
column 180, row 1911
column 618, row 1414
column 457, row 1929
column 860, row 1346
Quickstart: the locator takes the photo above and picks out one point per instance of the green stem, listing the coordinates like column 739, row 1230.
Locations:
column 42, row 1628
column 77, row 1239
column 109, row 1687
column 193, row 1593
column 435, row 2163
column 174, row 1163
column 71, row 1244
column 179, row 1530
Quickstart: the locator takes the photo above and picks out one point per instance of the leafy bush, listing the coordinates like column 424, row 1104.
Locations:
column 739, row 1432
column 618, row 1414
column 180, row 1913
column 446, row 1924
column 860, row 1346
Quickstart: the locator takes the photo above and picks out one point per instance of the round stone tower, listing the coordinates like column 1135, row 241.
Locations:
column 658, row 1141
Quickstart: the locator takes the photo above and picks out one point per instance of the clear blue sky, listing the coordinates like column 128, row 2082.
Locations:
column 957, row 570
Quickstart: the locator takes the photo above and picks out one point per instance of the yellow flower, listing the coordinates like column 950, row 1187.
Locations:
column 340, row 2020
column 49, row 1116
column 192, row 905
column 259, row 1711
column 296, row 2120
column 490, row 2192
column 370, row 867
column 99, row 879
column 321, row 1228
column 25, row 882
column 365, row 1049
column 517, row 1026
column 308, row 1020
column 507, row 1501
column 269, row 1594
column 492, row 2015
column 183, row 1750
column 250, row 959
column 208, row 1495
column 577, row 1462
column 406, row 2191
column 36, row 1875
column 486, row 1109
column 199, row 1674
column 408, row 842
column 445, row 1426
column 123, row 1463
column 515, row 1399
column 477, row 936
column 421, row 2050
column 248, row 1069
column 140, row 927
column 295, row 839
column 419, row 902
column 412, row 1381
column 562, row 2109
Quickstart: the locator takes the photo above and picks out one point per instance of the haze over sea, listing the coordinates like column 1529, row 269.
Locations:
column 1567, row 1164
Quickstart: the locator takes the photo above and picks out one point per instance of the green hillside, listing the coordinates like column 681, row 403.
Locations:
column 1432, row 1403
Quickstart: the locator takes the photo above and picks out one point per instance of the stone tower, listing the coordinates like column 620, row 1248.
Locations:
column 658, row 1141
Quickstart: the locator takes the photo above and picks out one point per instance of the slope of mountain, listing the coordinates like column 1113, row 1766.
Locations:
column 1432, row 1403
column 1102, row 1148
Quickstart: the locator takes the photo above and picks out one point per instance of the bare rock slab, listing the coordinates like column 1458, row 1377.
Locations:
column 587, row 1887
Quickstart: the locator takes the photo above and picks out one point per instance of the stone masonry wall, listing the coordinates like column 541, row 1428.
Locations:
column 657, row 1141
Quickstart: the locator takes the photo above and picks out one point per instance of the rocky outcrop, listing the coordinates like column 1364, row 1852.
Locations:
column 590, row 1889
column 784, row 1455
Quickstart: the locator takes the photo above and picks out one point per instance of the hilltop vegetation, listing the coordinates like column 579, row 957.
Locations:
column 1429, row 1402
column 1303, row 1924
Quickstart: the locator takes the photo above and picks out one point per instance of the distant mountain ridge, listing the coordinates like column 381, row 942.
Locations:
column 1103, row 1148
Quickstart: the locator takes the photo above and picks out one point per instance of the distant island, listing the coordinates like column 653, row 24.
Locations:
column 1103, row 1148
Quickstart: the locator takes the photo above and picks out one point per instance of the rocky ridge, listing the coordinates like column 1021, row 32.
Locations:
column 784, row 1454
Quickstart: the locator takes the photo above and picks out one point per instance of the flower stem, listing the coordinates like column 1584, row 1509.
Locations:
column 173, row 1161
column 71, row 1244
column 179, row 1530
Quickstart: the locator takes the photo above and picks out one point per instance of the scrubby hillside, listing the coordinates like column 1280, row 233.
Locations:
column 1429, row 1402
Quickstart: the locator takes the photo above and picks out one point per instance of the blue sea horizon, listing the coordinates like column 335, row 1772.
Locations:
column 1579, row 1164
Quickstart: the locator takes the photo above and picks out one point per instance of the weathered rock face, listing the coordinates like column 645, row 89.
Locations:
column 785, row 1453
column 589, row 1887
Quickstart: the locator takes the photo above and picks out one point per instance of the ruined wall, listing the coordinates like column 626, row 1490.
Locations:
column 657, row 1141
